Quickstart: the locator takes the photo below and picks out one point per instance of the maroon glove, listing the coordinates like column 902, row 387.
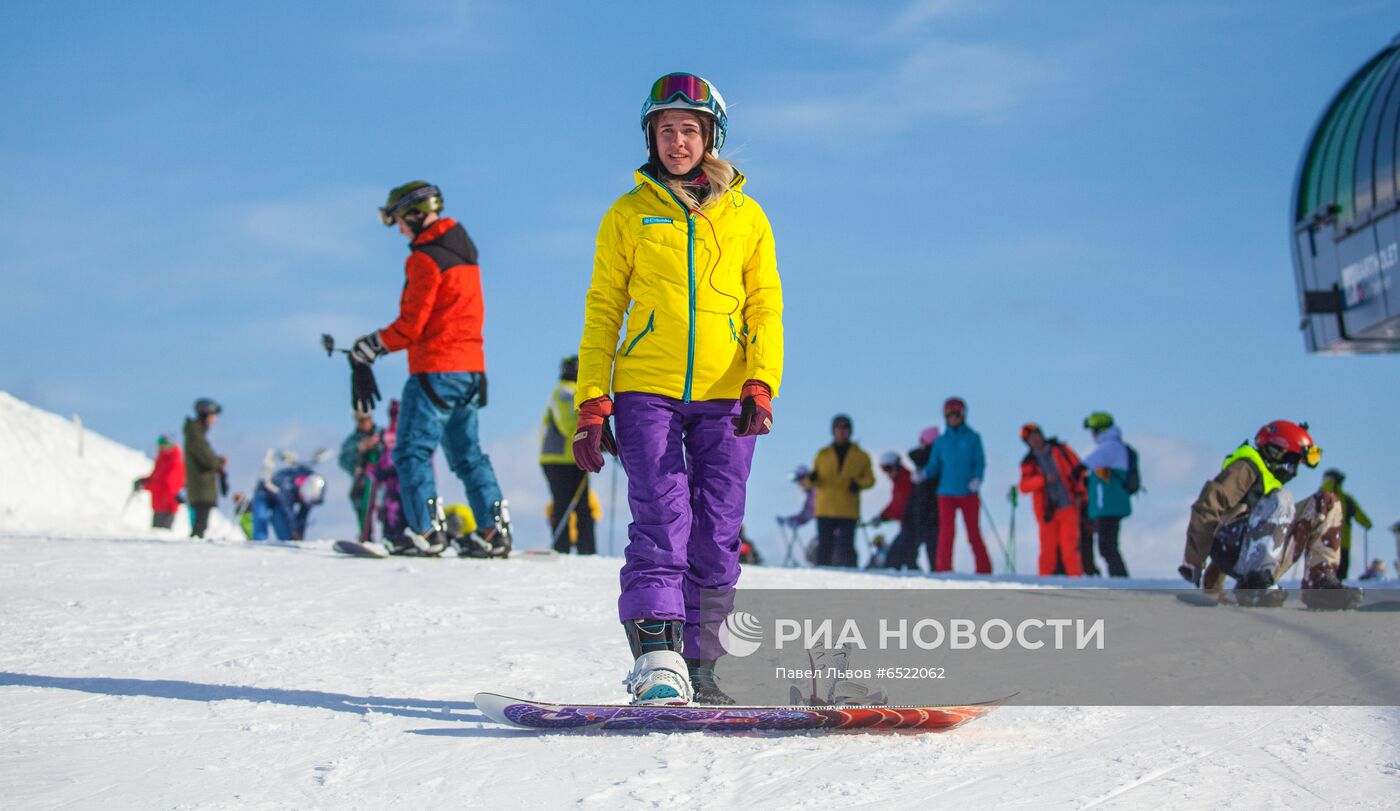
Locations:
column 755, row 409
column 594, row 436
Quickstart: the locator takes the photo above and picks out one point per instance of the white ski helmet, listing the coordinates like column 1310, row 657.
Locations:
column 686, row 91
column 889, row 459
column 312, row 489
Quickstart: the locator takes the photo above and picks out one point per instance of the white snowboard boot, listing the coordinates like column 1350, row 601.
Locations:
column 659, row 678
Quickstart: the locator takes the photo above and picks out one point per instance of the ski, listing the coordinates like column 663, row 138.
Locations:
column 520, row 712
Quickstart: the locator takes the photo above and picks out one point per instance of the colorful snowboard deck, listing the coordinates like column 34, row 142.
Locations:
column 695, row 718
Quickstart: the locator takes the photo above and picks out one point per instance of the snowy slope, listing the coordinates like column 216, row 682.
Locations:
column 64, row 479
column 140, row 669
column 162, row 673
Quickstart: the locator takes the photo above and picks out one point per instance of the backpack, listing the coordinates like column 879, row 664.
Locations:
column 1134, row 481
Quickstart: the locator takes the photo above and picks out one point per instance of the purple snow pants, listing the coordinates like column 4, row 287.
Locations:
column 686, row 474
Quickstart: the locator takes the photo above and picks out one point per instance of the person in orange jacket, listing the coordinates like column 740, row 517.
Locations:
column 164, row 483
column 440, row 317
column 1052, row 473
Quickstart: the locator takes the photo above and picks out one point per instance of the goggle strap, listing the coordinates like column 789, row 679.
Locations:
column 417, row 195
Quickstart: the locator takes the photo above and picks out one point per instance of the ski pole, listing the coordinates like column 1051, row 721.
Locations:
column 1006, row 556
column 1011, row 533
column 130, row 497
column 573, row 502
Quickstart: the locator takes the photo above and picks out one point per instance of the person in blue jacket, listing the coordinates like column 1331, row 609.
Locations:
column 285, row 499
column 958, row 462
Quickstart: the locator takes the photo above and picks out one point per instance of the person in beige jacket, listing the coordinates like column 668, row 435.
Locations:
column 840, row 471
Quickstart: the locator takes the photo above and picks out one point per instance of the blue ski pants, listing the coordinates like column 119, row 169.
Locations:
column 423, row 424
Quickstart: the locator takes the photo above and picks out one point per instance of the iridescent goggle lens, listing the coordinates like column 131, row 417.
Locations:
column 1027, row 428
column 1312, row 456
column 693, row 88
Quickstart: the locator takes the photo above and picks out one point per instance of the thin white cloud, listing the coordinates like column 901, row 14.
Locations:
column 917, row 74
column 330, row 225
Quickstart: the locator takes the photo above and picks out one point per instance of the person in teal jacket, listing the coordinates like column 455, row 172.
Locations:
column 958, row 462
column 1109, row 501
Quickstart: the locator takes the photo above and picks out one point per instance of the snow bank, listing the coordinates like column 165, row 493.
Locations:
column 63, row 479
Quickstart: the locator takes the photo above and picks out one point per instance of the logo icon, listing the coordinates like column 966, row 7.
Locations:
column 741, row 633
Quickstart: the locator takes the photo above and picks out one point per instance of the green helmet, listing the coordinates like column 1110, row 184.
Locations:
column 416, row 197
column 1099, row 421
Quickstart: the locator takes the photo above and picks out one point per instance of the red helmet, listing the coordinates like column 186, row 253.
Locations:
column 954, row 404
column 1281, row 439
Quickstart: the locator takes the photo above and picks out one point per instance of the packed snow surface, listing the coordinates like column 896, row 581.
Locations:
column 141, row 669
column 174, row 673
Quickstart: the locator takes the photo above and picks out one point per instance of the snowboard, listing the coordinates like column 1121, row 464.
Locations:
column 359, row 550
column 1379, row 606
column 356, row 549
column 520, row 712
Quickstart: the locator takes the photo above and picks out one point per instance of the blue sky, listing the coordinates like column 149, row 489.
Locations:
column 1043, row 208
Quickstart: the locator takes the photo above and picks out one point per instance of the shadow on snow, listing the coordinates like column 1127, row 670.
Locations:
column 312, row 699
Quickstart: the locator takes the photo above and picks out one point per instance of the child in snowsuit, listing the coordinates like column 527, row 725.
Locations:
column 1245, row 524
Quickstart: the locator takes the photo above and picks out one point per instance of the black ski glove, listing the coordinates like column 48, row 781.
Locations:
column 855, row 487
column 481, row 392
column 137, row 485
column 364, row 392
column 1191, row 574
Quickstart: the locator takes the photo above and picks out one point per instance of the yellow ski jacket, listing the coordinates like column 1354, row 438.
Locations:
column 700, row 293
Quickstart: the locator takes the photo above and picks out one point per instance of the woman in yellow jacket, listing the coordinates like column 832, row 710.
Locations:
column 686, row 257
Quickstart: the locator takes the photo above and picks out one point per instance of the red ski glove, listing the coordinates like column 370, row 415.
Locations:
column 594, row 435
column 755, row 409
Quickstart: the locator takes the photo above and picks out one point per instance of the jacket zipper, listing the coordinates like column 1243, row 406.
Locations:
column 651, row 319
column 690, row 278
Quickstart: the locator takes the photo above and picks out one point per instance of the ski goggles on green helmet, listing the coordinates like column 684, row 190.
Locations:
column 412, row 200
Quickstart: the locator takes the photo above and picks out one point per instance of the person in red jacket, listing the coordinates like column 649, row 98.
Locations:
column 1052, row 472
column 901, row 485
column 440, row 317
column 164, row 482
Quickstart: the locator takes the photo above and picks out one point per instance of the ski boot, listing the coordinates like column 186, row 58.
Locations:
column 1328, row 594
column 412, row 544
column 494, row 543
column 703, row 684
column 429, row 543
column 1258, row 590
column 659, row 675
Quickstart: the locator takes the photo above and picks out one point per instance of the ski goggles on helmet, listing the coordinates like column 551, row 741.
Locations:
column 692, row 88
column 391, row 212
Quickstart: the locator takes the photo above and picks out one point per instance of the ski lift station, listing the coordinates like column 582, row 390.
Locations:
column 1346, row 216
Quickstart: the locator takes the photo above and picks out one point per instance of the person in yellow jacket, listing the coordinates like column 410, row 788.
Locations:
column 568, row 484
column 840, row 471
column 687, row 258
column 595, row 511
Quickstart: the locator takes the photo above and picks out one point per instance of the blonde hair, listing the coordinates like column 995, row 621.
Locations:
column 718, row 171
